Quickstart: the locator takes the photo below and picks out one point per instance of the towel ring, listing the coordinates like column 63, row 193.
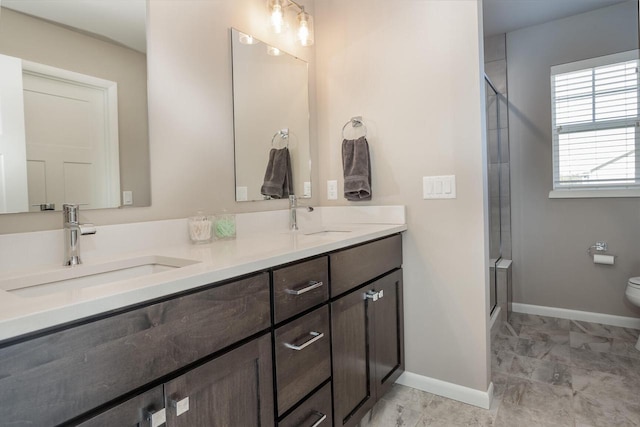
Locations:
column 283, row 134
column 355, row 122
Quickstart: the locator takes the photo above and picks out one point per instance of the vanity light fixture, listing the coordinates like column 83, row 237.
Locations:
column 276, row 9
column 305, row 28
column 304, row 33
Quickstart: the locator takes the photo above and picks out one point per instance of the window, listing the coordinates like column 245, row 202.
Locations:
column 595, row 124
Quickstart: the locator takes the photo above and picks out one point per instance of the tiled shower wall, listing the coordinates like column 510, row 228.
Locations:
column 495, row 65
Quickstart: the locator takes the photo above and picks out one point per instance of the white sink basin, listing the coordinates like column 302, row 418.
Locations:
column 87, row 275
column 325, row 232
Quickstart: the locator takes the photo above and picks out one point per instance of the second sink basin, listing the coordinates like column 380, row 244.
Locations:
column 87, row 275
column 325, row 232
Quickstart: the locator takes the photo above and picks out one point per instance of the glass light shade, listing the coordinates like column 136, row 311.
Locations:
column 273, row 51
column 247, row 39
column 305, row 29
column 276, row 11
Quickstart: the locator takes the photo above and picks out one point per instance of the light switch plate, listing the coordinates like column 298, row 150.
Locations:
column 332, row 190
column 439, row 187
column 127, row 198
column 241, row 194
column 306, row 190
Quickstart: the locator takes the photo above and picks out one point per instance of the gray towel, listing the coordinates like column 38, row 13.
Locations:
column 277, row 179
column 357, row 169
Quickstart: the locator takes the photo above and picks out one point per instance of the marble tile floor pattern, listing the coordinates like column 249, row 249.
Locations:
column 546, row 372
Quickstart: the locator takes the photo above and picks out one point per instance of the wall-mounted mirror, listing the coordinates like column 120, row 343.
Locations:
column 271, row 121
column 73, row 105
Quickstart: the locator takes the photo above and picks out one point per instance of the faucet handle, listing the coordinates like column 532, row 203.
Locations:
column 87, row 229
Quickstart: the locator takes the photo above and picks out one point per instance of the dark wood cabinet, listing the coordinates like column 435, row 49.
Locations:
column 210, row 357
column 59, row 376
column 303, row 357
column 235, row 389
column 368, row 346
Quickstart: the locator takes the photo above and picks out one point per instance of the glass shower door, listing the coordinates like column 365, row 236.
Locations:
column 494, row 171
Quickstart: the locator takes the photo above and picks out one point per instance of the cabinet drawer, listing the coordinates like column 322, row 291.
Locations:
column 314, row 412
column 53, row 378
column 303, row 359
column 355, row 266
column 299, row 287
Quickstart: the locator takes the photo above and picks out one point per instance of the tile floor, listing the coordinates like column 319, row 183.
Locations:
column 546, row 372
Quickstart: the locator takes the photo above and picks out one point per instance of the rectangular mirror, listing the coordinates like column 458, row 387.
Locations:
column 271, row 117
column 73, row 105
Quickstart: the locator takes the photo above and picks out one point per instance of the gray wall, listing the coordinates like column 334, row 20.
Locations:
column 550, row 237
column 412, row 70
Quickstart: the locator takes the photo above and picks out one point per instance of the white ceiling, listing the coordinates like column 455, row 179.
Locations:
column 503, row 16
column 123, row 21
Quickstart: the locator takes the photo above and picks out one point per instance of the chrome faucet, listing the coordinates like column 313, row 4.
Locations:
column 72, row 231
column 293, row 214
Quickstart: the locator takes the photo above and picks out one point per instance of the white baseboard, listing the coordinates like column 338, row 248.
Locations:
column 494, row 317
column 457, row 392
column 586, row 316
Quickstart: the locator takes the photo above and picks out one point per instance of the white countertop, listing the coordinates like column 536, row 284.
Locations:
column 217, row 261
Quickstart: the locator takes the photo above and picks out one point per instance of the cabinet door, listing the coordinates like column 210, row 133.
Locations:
column 388, row 332
column 235, row 389
column 138, row 411
column 352, row 369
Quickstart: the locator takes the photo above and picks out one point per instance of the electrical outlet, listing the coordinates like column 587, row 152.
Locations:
column 332, row 190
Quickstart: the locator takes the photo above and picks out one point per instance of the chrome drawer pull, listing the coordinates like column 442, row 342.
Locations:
column 316, row 336
column 181, row 405
column 312, row 285
column 372, row 295
column 321, row 420
column 156, row 419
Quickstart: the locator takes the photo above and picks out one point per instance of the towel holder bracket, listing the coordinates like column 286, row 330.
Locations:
column 355, row 122
column 283, row 134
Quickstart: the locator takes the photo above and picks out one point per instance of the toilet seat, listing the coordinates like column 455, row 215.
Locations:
column 634, row 282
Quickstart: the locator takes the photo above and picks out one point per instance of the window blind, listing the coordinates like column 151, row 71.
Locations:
column 595, row 123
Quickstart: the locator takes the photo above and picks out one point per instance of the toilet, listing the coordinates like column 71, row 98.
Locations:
column 633, row 294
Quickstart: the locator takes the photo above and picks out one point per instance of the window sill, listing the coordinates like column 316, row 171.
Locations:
column 592, row 194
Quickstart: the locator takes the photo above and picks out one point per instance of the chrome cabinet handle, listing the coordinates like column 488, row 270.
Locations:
column 321, row 420
column 316, row 336
column 312, row 285
column 181, row 406
column 157, row 418
column 372, row 295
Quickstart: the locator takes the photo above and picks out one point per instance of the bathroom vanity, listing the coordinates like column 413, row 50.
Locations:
column 315, row 340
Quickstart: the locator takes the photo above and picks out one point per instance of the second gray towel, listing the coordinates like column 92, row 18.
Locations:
column 357, row 169
column 278, row 182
